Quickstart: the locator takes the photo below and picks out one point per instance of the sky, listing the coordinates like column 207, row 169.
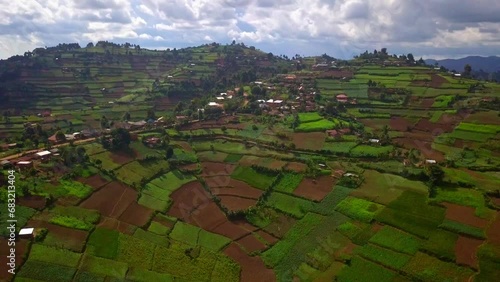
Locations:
column 341, row 28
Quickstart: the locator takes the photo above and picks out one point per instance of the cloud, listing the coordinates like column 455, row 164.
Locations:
column 340, row 28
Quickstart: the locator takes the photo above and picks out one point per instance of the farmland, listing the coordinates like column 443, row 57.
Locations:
column 363, row 170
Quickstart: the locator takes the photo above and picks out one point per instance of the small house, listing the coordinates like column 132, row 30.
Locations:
column 374, row 141
column 430, row 161
column 342, row 98
column 26, row 232
column 43, row 155
column 24, row 164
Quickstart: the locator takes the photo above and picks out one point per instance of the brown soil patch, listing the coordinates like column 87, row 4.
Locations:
column 435, row 128
column 189, row 167
column 185, row 146
column 297, row 167
column 236, row 203
column 111, row 200
column 466, row 251
column 427, row 103
column 35, row 202
column 234, row 230
column 165, row 222
column 122, row 158
column 315, row 189
column 118, row 225
column 252, row 268
column 493, row 232
column 400, row 124
column 218, row 181
column 437, row 80
column 68, row 238
column 136, row 214
column 309, row 140
column 271, row 240
column 423, row 146
column 464, row 215
column 348, row 249
column 96, row 181
column 20, row 251
column 238, row 188
column 377, row 123
column 212, row 168
column 251, row 244
column 376, row 227
column 280, row 226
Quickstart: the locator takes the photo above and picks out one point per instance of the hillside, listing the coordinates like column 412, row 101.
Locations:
column 225, row 163
column 488, row 64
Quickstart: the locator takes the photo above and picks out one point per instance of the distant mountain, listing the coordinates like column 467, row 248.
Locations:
column 487, row 64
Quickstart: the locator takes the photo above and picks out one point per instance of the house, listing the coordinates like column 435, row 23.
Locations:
column 43, row 155
column 430, row 161
column 24, row 164
column 374, row 140
column 223, row 94
column 152, row 141
column 26, row 232
column 219, row 98
column 350, row 175
column 213, row 104
column 457, row 75
column 12, row 145
column 89, row 133
column 136, row 124
column 342, row 98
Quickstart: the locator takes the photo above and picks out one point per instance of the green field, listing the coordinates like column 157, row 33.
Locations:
column 253, row 177
column 359, row 209
column 288, row 182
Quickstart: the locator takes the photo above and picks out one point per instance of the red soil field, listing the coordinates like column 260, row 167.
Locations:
column 20, row 250
column 164, row 222
column 212, row 168
column 72, row 239
column 124, row 157
column 33, row 201
column 315, row 189
column 232, row 230
column 218, row 181
column 185, row 146
column 493, row 232
column 275, row 164
column 251, row 244
column 464, row 215
column 189, row 167
column 466, row 251
column 297, row 167
column 96, row 181
column 235, row 203
column 111, row 200
column 437, row 80
column 238, row 188
column 252, row 268
column 309, row 140
column 435, row 128
column 400, row 124
column 377, row 123
column 427, row 103
column 136, row 214
column 118, row 225
column 280, row 226
column 268, row 237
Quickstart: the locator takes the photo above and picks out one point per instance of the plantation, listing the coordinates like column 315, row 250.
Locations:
column 320, row 125
column 294, row 206
column 288, row 182
column 359, row 209
column 253, row 177
column 396, row 240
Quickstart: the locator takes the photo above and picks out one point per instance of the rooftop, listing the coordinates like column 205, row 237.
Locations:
column 26, row 231
column 43, row 153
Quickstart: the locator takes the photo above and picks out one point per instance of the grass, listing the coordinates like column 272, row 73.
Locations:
column 158, row 228
column 480, row 128
column 233, row 158
column 159, row 240
column 386, row 257
column 294, row 206
column 84, row 276
column 288, row 182
column 442, row 101
column 470, row 135
column 364, row 270
column 211, row 241
column 359, row 209
column 54, row 255
column 280, row 250
column 73, row 188
column 464, row 229
column 325, row 207
column 23, row 214
column 411, row 213
column 441, row 243
column 339, row 147
column 135, row 252
column 253, row 177
column 371, row 151
column 309, row 117
column 461, row 196
column 45, row 271
column 185, row 233
column 156, row 194
column 320, row 125
column 396, row 240
column 71, row 222
column 104, row 267
column 436, row 116
column 86, row 215
column 143, row 275
column 429, row 268
column 103, row 243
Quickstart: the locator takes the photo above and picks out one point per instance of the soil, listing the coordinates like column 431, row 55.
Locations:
column 136, row 214
column 189, row 167
column 96, row 181
column 276, row 164
column 251, row 244
column 315, row 190
column 466, row 251
column 218, row 181
column 427, row 103
column 377, row 123
column 493, row 232
column 435, row 128
column 118, row 225
column 297, row 167
column 309, row 140
column 185, row 146
column 271, row 240
column 238, row 188
column 464, row 215
column 20, row 251
column 252, row 268
column 35, row 202
column 280, row 226
column 235, row 203
column 400, row 124
column 212, row 168
column 112, row 200
column 122, row 158
column 70, row 238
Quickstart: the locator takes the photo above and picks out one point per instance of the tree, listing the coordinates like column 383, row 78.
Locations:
column 126, row 116
column 435, row 174
column 256, row 90
column 410, row 57
column 60, row 137
column 150, row 115
column 120, row 139
column 170, row 153
column 467, row 70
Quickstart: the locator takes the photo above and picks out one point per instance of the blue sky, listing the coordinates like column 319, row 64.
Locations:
column 340, row 28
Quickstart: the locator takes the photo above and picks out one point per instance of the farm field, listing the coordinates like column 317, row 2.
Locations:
column 228, row 163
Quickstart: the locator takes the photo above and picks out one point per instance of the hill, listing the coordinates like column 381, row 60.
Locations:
column 487, row 64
